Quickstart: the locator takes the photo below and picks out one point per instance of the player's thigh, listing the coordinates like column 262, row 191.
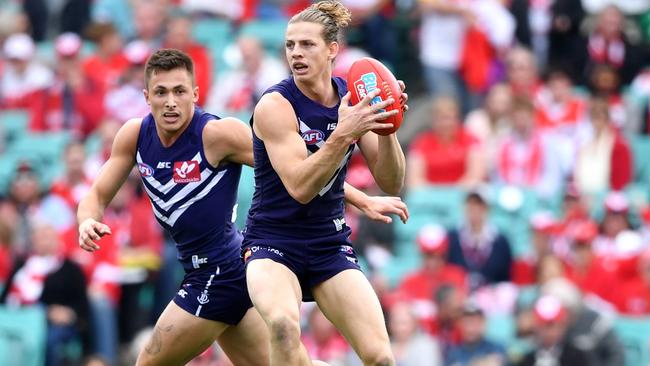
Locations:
column 274, row 289
column 178, row 337
column 247, row 343
column 350, row 303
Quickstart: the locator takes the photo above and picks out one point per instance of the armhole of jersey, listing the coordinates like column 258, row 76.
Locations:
column 140, row 132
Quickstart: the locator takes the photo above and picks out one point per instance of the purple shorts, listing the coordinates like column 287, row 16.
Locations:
column 216, row 292
column 312, row 263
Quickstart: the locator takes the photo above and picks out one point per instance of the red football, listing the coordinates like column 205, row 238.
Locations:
column 366, row 75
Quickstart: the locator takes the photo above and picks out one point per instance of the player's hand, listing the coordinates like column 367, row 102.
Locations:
column 355, row 121
column 90, row 231
column 404, row 97
column 378, row 208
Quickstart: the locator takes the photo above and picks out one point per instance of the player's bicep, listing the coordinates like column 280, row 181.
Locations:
column 119, row 164
column 275, row 123
column 228, row 140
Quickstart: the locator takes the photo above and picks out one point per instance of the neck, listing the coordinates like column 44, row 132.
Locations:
column 319, row 90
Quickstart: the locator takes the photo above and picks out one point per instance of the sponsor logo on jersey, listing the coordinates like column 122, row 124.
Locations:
column 339, row 223
column 312, row 137
column 145, row 170
column 198, row 261
column 164, row 165
column 255, row 248
column 346, row 249
column 186, row 171
column 367, row 84
column 247, row 254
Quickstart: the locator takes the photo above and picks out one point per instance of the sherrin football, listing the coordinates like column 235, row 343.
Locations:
column 366, row 75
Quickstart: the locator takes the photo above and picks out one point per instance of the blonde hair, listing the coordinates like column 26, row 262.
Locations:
column 330, row 13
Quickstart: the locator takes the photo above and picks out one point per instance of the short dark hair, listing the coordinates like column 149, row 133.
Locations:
column 168, row 59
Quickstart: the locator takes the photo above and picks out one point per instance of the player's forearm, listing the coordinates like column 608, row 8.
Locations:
column 354, row 196
column 390, row 168
column 311, row 175
column 90, row 208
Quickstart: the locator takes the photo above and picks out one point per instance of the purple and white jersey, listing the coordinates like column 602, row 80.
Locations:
column 274, row 214
column 191, row 199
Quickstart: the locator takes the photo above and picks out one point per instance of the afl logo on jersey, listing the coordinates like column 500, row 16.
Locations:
column 145, row 170
column 312, row 137
column 186, row 171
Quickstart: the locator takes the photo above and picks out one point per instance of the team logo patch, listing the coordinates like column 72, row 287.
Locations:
column 367, row 84
column 312, row 137
column 346, row 249
column 186, row 171
column 145, row 170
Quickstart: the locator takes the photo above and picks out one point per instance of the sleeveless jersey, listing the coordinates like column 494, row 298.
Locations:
column 274, row 214
column 191, row 199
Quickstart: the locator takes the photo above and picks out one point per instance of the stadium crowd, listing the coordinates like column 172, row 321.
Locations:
column 528, row 174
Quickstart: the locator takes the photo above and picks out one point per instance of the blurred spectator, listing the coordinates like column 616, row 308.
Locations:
column 475, row 349
column 491, row 122
column 47, row 278
column 551, row 332
column 449, row 309
column 179, row 36
column 106, row 131
column 372, row 19
column 615, row 221
column 232, row 10
column 605, row 160
column 28, row 200
column 526, row 157
column 522, row 72
column 72, row 15
column 589, row 331
column 74, row 102
column 605, row 83
column 639, row 103
column 149, row 17
column 105, row 66
column 550, row 28
column 608, row 44
column 21, row 73
column 125, row 101
column 584, row 268
column 346, row 57
column 434, row 271
column 557, row 106
column 446, row 154
column 632, row 297
column 441, row 39
column 6, row 255
column 238, row 90
column 117, row 12
column 478, row 246
column 322, row 340
column 74, row 184
column 411, row 346
column 525, row 269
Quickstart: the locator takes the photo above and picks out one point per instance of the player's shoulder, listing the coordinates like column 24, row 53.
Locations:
column 127, row 136
column 271, row 104
column 221, row 126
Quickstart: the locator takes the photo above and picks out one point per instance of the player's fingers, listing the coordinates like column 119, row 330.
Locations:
column 383, row 115
column 102, row 229
column 382, row 105
column 383, row 218
column 380, row 126
column 401, row 84
column 369, row 97
column 403, row 98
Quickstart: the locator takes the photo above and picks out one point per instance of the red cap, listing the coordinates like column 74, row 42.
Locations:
column 584, row 232
column 432, row 239
column 543, row 222
column 67, row 44
column 549, row 309
column 137, row 52
column 616, row 202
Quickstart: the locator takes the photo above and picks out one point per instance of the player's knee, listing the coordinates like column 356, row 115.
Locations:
column 285, row 331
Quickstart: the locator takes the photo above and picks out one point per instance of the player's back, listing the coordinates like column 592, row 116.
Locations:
column 274, row 213
column 191, row 199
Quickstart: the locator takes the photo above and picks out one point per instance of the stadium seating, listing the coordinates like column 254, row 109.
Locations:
column 13, row 124
column 215, row 34
column 269, row 32
column 634, row 333
column 22, row 336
